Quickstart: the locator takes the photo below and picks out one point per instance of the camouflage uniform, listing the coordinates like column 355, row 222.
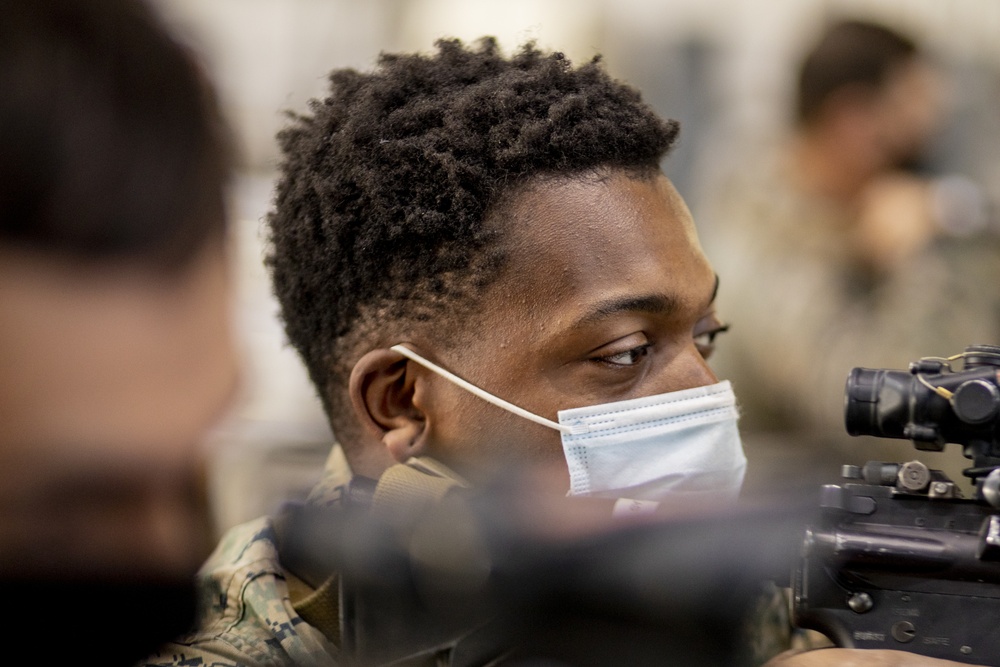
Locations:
column 252, row 611
column 246, row 616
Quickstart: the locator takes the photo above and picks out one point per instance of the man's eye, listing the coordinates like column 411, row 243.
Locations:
column 705, row 340
column 626, row 358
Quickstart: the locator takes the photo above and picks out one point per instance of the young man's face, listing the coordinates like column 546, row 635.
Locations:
column 607, row 296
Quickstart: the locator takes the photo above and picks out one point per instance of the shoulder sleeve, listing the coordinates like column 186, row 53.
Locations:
column 245, row 616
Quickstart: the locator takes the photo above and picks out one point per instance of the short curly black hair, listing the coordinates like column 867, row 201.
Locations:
column 381, row 209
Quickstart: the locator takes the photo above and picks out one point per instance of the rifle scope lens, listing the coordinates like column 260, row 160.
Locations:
column 877, row 402
column 861, row 401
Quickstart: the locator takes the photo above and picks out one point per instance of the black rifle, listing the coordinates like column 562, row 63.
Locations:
column 899, row 559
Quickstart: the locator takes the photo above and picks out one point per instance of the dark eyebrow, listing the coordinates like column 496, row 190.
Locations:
column 655, row 304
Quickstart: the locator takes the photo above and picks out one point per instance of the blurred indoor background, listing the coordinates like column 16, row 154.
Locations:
column 724, row 68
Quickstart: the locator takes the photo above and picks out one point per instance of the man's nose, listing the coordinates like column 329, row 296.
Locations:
column 178, row 523
column 169, row 530
column 689, row 369
column 182, row 539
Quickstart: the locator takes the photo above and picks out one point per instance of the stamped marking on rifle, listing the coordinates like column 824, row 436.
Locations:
column 937, row 641
column 903, row 611
column 865, row 636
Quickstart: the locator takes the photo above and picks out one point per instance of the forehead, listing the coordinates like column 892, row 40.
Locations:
column 597, row 237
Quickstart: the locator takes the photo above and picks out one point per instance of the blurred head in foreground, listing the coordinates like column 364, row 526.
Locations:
column 115, row 350
column 503, row 217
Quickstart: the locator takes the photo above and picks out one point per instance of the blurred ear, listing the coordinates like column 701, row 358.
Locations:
column 382, row 389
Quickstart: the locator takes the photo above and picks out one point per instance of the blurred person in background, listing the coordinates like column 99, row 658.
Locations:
column 839, row 251
column 503, row 219
column 115, row 349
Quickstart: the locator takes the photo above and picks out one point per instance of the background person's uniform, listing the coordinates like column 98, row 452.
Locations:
column 803, row 314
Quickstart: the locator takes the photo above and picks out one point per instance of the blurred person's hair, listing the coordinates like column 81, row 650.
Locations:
column 849, row 53
column 111, row 142
column 390, row 203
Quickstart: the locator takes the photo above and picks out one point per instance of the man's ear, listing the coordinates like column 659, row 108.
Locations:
column 382, row 391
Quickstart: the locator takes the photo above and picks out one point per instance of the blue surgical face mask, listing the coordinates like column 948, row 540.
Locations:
column 678, row 443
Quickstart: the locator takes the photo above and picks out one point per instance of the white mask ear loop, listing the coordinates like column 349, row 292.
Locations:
column 486, row 396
